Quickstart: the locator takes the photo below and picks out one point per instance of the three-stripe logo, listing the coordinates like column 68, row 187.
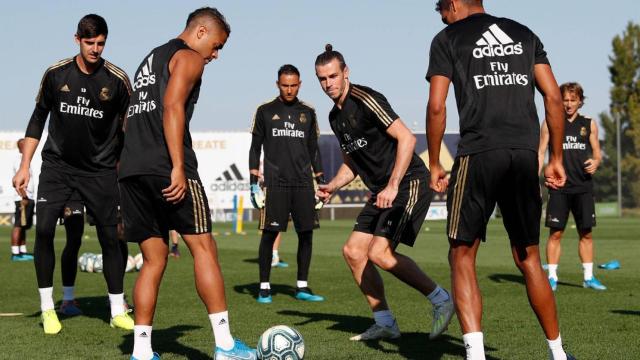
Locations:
column 495, row 42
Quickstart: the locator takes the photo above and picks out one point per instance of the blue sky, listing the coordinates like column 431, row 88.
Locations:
column 385, row 43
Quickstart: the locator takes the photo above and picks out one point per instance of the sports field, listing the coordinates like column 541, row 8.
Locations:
column 595, row 325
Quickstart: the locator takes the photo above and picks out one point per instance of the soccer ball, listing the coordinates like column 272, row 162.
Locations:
column 138, row 261
column 281, row 343
column 97, row 264
column 131, row 264
column 83, row 259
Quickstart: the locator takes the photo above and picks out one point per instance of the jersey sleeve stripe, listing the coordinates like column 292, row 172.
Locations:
column 120, row 74
column 50, row 68
column 373, row 105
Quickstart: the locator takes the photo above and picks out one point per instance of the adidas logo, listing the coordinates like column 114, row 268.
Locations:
column 145, row 77
column 222, row 322
column 65, row 88
column 495, row 42
column 275, row 117
column 230, row 180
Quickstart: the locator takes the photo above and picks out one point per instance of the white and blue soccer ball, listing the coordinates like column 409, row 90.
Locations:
column 138, row 261
column 131, row 264
column 97, row 263
column 83, row 261
column 281, row 343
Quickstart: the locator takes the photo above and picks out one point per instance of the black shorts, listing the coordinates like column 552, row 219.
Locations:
column 99, row 194
column 401, row 222
column 282, row 201
column 146, row 214
column 508, row 177
column 23, row 217
column 581, row 205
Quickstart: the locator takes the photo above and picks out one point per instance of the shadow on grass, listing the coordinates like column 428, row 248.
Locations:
column 411, row 345
column 165, row 341
column 253, row 288
column 626, row 312
column 503, row 278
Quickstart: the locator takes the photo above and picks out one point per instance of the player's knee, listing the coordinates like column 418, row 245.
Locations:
column 353, row 255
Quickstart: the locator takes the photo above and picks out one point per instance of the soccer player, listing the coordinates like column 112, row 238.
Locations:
column 288, row 129
column 581, row 158
column 379, row 148
column 87, row 98
column 23, row 219
column 159, row 182
column 495, row 65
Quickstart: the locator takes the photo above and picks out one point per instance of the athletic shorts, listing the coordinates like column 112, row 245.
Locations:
column 23, row 217
column 146, row 214
column 508, row 177
column 401, row 222
column 57, row 188
column 581, row 205
column 282, row 201
column 73, row 207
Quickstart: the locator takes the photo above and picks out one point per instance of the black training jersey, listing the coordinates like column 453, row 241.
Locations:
column 490, row 61
column 289, row 135
column 576, row 149
column 87, row 110
column 361, row 128
column 145, row 148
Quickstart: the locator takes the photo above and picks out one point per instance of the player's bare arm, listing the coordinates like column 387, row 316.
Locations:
column 406, row 144
column 21, row 179
column 591, row 165
column 554, row 174
column 542, row 146
column 436, row 124
column 186, row 68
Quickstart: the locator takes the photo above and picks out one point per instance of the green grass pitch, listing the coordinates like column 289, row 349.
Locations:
column 594, row 325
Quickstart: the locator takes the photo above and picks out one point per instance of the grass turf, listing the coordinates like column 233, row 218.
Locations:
column 595, row 325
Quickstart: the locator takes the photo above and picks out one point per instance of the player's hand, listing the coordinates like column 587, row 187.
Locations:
column 384, row 199
column 439, row 182
column 257, row 198
column 177, row 189
column 554, row 175
column 591, row 165
column 324, row 193
column 20, row 182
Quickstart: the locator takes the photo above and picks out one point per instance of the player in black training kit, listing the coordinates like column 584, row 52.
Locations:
column 288, row 130
column 581, row 158
column 495, row 65
column 159, row 182
column 87, row 98
column 379, row 148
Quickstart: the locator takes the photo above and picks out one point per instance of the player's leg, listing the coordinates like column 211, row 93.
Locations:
column 52, row 194
column 303, row 214
column 583, row 209
column 521, row 207
column 370, row 283
column 145, row 293
column 264, row 263
column 101, row 197
column 273, row 220
column 73, row 217
column 556, row 221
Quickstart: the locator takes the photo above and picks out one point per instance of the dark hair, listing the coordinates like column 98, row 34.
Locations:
column 328, row 55
column 573, row 87
column 92, row 25
column 211, row 13
column 288, row 69
column 441, row 4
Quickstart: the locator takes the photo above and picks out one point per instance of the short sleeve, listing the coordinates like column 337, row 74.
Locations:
column 440, row 57
column 540, row 54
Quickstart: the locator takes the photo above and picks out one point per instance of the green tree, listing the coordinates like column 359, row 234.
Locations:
column 625, row 105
